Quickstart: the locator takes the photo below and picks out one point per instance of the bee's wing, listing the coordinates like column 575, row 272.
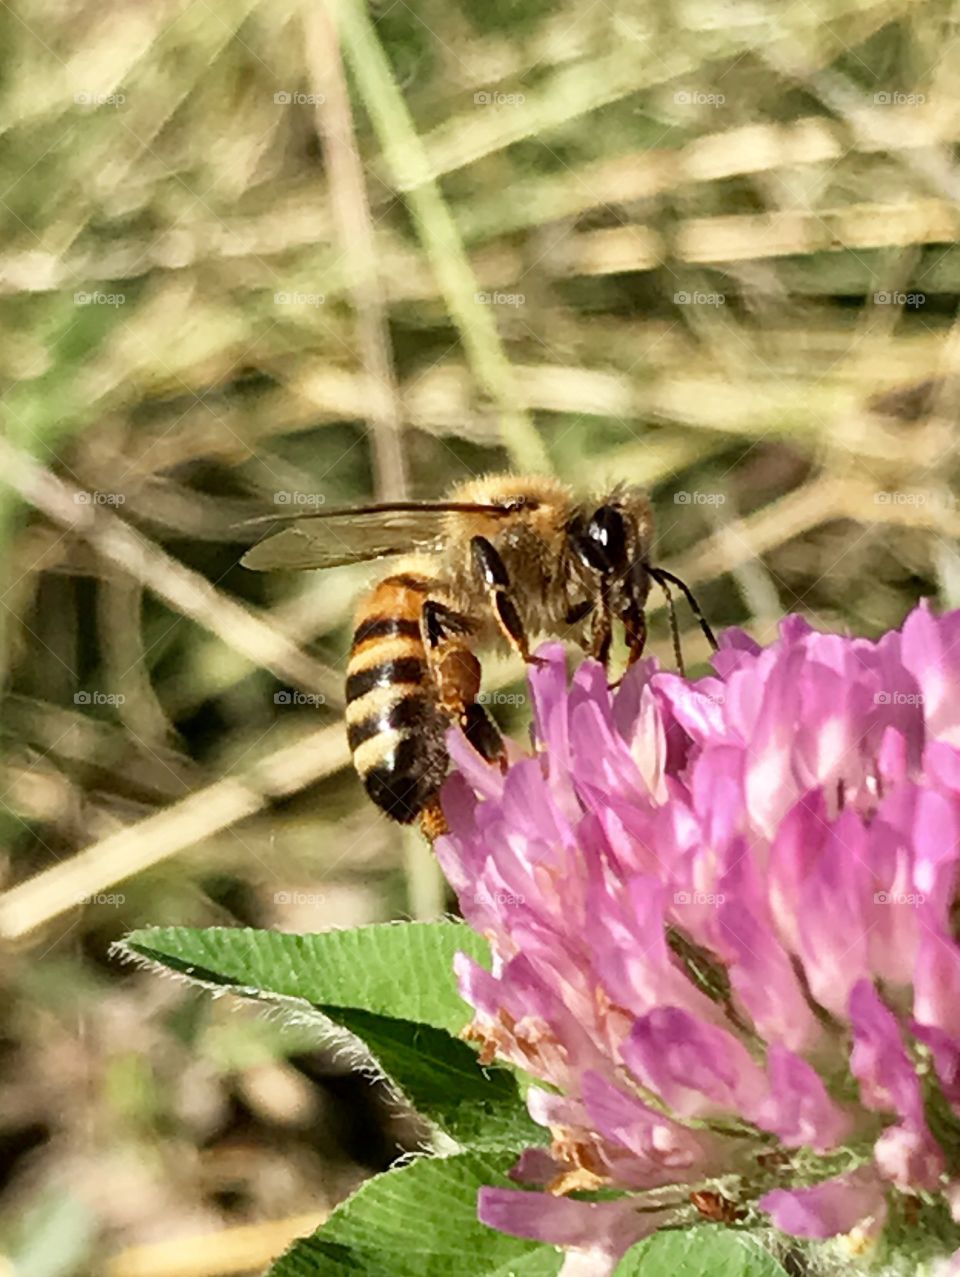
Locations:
column 353, row 536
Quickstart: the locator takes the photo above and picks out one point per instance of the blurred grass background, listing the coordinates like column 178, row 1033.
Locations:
column 261, row 256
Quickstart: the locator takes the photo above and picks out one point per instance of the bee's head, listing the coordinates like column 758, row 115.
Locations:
column 613, row 539
column 612, row 544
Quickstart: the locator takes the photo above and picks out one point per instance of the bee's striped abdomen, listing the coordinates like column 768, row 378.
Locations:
column 395, row 727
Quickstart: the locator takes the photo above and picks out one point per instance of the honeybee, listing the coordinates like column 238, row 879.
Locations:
column 503, row 558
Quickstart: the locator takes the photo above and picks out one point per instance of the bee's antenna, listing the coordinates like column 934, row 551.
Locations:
column 662, row 576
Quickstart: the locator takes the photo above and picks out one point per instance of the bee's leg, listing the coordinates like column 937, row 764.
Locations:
column 634, row 616
column 456, row 673
column 634, row 585
column 597, row 644
column 635, row 627
column 454, row 668
column 492, row 569
column 605, row 639
column 634, row 632
column 484, row 735
column 601, row 638
column 579, row 611
column 601, row 634
column 439, row 623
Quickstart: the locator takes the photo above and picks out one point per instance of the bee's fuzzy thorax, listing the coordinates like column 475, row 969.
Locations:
column 533, row 544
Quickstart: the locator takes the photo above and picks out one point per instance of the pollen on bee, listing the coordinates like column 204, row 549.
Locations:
column 458, row 677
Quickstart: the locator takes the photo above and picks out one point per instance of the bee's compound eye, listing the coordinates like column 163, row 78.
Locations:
column 607, row 528
column 589, row 552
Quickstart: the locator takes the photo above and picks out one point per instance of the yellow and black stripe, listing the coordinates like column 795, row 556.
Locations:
column 395, row 727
